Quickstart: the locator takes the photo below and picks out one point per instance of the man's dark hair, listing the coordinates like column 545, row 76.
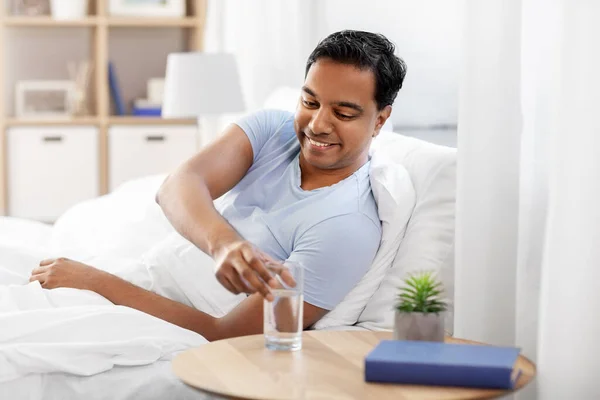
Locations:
column 365, row 50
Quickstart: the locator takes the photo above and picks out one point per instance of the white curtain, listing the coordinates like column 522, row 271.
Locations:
column 528, row 196
column 271, row 40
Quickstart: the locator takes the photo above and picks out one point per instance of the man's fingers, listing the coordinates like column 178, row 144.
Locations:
column 255, row 261
column 38, row 270
column 223, row 280
column 284, row 274
column 287, row 277
column 258, row 275
column 252, row 278
column 239, row 284
column 234, row 288
column 241, row 267
column 47, row 261
column 254, row 271
column 37, row 277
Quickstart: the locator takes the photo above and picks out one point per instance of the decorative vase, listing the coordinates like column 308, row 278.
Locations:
column 30, row 7
column 419, row 326
column 69, row 9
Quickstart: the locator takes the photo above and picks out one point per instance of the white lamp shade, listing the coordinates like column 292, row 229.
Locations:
column 198, row 84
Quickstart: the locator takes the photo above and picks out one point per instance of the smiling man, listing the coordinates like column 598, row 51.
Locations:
column 292, row 186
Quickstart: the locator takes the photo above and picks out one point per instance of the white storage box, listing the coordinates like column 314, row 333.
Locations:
column 50, row 168
column 137, row 151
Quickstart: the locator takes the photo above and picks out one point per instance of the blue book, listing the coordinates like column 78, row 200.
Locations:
column 146, row 112
column 115, row 90
column 443, row 364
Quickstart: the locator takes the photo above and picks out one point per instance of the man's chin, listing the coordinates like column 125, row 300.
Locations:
column 321, row 160
column 320, row 163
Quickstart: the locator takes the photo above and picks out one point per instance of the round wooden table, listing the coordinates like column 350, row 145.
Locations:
column 329, row 366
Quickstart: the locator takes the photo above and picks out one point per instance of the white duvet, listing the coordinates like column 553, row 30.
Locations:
column 80, row 332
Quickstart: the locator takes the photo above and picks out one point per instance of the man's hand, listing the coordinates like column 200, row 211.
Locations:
column 62, row 272
column 242, row 268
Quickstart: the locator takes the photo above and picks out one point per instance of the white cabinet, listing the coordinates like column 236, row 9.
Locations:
column 50, row 168
column 136, row 151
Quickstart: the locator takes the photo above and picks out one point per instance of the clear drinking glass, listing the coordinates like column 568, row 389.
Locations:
column 284, row 315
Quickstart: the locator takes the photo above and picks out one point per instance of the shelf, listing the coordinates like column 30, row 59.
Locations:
column 152, row 22
column 112, row 120
column 40, row 21
column 54, row 121
column 103, row 36
column 129, row 120
column 149, row 22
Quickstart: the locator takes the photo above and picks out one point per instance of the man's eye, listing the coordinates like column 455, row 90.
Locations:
column 310, row 104
column 345, row 116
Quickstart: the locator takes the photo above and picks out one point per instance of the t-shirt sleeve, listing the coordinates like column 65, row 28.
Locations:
column 262, row 125
column 335, row 253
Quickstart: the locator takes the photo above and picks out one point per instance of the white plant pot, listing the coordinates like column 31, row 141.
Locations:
column 419, row 326
column 69, row 9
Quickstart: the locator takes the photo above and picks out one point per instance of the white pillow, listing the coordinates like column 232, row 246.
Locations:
column 395, row 198
column 429, row 239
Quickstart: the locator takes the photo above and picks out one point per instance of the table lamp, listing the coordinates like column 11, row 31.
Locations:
column 203, row 86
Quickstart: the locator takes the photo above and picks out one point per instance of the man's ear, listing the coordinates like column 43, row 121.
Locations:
column 382, row 117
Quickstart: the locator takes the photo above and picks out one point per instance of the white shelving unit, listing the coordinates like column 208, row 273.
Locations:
column 103, row 29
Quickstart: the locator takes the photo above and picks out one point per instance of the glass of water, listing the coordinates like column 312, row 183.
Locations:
column 283, row 317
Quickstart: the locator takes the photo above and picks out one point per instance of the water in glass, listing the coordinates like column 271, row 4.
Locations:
column 283, row 320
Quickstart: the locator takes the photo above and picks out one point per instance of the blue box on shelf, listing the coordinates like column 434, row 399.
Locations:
column 146, row 108
column 147, row 112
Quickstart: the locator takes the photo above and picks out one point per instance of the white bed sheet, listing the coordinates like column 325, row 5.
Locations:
column 122, row 225
column 25, row 233
column 154, row 381
column 144, row 382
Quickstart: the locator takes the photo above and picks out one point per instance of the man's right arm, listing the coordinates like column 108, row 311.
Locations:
column 186, row 197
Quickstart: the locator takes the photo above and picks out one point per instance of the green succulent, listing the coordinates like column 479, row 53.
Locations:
column 421, row 293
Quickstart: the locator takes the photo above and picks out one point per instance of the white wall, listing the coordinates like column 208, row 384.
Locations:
column 271, row 40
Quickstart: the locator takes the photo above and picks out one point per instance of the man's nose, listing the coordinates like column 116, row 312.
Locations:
column 320, row 123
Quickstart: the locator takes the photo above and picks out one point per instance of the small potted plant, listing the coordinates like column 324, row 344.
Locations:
column 420, row 309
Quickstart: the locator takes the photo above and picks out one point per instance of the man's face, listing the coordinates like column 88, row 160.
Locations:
column 337, row 115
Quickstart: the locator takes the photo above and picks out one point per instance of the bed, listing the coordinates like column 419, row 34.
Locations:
column 126, row 223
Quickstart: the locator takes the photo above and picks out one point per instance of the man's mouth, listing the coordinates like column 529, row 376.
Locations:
column 318, row 144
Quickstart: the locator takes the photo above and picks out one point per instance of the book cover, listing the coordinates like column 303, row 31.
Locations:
column 146, row 112
column 115, row 90
column 443, row 364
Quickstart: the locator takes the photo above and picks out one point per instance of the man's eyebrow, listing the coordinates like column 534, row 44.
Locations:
column 347, row 104
column 350, row 105
column 309, row 91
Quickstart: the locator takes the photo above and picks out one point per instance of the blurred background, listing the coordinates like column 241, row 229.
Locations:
column 84, row 87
